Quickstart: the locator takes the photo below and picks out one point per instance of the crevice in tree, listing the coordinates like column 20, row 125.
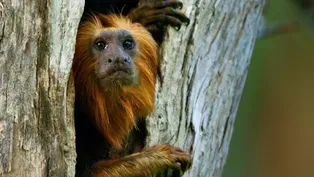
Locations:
column 183, row 68
column 217, row 31
column 2, row 32
column 191, row 131
column 48, row 167
column 226, row 126
column 190, row 38
column 188, row 96
column 241, row 30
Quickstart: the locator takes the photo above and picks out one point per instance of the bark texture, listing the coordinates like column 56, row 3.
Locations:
column 37, row 40
column 203, row 72
column 204, row 69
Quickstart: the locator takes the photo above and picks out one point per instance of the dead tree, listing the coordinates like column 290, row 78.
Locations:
column 204, row 67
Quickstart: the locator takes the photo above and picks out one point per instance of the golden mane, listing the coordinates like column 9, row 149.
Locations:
column 114, row 116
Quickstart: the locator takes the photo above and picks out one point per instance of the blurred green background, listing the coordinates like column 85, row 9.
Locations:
column 274, row 129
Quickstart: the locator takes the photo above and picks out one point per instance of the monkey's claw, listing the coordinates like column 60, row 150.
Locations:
column 183, row 158
column 169, row 3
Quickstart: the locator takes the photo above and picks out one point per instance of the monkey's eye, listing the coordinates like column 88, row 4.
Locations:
column 128, row 44
column 101, row 45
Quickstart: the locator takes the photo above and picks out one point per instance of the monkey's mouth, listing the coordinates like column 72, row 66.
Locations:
column 121, row 74
column 119, row 71
column 118, row 75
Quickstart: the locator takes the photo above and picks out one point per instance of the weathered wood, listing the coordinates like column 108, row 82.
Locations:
column 203, row 72
column 37, row 40
column 204, row 69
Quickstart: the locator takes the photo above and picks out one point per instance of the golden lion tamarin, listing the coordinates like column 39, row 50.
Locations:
column 114, row 68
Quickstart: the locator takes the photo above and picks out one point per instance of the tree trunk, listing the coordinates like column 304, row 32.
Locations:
column 203, row 72
column 204, row 69
column 37, row 40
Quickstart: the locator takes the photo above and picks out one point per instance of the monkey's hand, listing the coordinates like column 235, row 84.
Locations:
column 174, row 157
column 143, row 164
column 156, row 16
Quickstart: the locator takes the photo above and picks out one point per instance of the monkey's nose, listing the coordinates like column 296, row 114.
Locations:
column 120, row 60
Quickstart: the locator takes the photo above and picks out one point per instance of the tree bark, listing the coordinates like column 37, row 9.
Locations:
column 204, row 68
column 37, row 41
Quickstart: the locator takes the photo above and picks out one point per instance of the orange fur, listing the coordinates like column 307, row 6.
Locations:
column 114, row 112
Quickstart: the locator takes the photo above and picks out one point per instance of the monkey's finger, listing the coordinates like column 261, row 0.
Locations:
column 181, row 157
column 177, row 173
column 164, row 19
column 177, row 149
column 185, row 163
column 184, row 159
column 152, row 28
column 175, row 166
column 168, row 3
column 172, row 12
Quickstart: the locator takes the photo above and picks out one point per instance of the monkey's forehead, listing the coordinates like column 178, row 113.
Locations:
column 113, row 32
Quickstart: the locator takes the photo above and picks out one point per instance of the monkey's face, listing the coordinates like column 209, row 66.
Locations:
column 114, row 51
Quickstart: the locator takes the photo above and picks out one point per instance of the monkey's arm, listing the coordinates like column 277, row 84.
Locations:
column 156, row 16
column 143, row 164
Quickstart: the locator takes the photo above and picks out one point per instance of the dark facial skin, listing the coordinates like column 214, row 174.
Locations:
column 114, row 51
